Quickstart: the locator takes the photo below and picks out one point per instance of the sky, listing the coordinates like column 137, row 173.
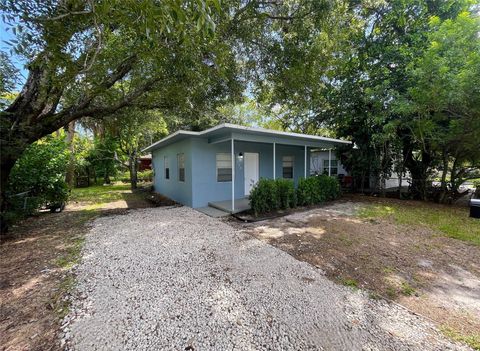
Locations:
column 20, row 64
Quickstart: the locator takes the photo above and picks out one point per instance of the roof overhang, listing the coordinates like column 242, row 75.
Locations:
column 226, row 131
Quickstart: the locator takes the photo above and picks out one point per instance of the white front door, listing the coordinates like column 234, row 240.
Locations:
column 250, row 171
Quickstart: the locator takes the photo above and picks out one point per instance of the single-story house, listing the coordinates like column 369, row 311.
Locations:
column 220, row 165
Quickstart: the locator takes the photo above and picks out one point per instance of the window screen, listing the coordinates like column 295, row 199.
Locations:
column 166, row 167
column 287, row 167
column 224, row 167
column 181, row 167
column 333, row 167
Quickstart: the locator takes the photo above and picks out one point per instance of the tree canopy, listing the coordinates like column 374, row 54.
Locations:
column 399, row 78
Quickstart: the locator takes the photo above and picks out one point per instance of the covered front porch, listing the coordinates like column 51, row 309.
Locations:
column 264, row 154
column 242, row 204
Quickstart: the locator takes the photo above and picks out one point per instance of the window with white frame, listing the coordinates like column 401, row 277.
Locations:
column 181, row 167
column 166, row 167
column 333, row 167
column 287, row 167
column 224, row 167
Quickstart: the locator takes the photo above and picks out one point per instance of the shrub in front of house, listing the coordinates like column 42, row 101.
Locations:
column 263, row 196
column 269, row 195
column 328, row 188
column 286, row 196
column 307, row 191
column 315, row 190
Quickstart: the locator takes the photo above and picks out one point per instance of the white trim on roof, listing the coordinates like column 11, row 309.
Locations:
column 179, row 132
column 277, row 132
column 244, row 128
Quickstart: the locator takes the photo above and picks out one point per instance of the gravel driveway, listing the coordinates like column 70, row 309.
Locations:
column 175, row 279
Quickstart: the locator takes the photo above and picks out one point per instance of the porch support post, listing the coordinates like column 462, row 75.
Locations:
column 274, row 160
column 329, row 162
column 305, row 163
column 233, row 175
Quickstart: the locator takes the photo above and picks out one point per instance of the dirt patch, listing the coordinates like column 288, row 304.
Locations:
column 35, row 271
column 433, row 275
column 32, row 279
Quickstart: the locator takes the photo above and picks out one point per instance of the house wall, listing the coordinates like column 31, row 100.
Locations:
column 201, row 186
column 205, row 186
column 173, row 188
column 298, row 153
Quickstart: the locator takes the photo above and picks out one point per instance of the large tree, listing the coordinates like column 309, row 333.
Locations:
column 78, row 52
column 443, row 99
column 348, row 72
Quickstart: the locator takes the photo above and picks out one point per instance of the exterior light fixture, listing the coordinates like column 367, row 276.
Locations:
column 240, row 156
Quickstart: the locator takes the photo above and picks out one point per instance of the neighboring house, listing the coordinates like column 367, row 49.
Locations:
column 322, row 161
column 222, row 164
column 145, row 162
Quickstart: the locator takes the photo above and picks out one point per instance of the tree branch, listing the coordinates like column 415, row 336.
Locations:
column 58, row 120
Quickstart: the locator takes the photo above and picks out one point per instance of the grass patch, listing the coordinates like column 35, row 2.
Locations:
column 388, row 269
column 60, row 305
column 391, row 292
column 352, row 283
column 450, row 221
column 72, row 256
column 99, row 194
column 472, row 340
column 407, row 289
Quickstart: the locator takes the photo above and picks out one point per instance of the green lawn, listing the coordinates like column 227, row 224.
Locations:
column 451, row 221
column 98, row 194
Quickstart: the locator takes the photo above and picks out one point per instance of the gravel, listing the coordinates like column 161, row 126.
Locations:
column 175, row 279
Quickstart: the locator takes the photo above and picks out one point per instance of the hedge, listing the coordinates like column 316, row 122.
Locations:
column 142, row 176
column 269, row 195
column 315, row 190
column 263, row 196
column 286, row 196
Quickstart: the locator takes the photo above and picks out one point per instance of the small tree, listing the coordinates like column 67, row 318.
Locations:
column 136, row 130
column 41, row 173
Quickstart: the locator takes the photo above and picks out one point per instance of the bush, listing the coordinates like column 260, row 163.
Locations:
column 286, row 197
column 263, row 196
column 314, row 190
column 40, row 171
column 124, row 177
column 145, row 176
column 328, row 187
column 270, row 195
column 306, row 191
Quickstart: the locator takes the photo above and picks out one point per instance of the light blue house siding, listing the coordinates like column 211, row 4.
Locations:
column 173, row 188
column 205, row 186
column 201, row 185
column 200, row 150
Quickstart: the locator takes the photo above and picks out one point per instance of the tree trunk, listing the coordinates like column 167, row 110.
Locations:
column 7, row 164
column 443, row 183
column 70, row 176
column 10, row 153
column 419, row 172
column 132, row 166
column 382, row 185
column 453, row 177
column 106, row 176
column 362, row 184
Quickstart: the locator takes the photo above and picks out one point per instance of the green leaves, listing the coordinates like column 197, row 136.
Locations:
column 40, row 171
